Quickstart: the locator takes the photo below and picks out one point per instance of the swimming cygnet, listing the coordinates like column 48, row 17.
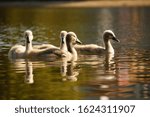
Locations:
column 95, row 49
column 19, row 51
column 71, row 40
column 67, row 51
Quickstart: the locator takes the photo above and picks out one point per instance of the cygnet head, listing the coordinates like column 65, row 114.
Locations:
column 63, row 36
column 108, row 34
column 71, row 37
column 28, row 36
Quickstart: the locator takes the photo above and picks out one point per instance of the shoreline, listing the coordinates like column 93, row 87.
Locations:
column 79, row 4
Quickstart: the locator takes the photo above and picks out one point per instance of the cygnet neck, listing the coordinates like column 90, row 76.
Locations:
column 28, row 47
column 63, row 45
column 72, row 50
column 108, row 46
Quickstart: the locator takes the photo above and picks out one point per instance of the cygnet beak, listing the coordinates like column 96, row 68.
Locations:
column 27, row 38
column 78, row 41
column 115, row 39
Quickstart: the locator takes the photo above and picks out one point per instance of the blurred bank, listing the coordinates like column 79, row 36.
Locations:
column 75, row 3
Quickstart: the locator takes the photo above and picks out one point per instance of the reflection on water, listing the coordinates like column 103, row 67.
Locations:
column 26, row 66
column 29, row 73
column 68, row 72
column 125, row 75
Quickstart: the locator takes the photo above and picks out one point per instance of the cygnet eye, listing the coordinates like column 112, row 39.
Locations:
column 73, row 36
column 111, row 36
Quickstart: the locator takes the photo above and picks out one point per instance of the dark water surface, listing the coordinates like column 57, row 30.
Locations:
column 124, row 76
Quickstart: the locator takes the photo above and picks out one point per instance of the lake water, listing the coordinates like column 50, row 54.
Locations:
column 124, row 76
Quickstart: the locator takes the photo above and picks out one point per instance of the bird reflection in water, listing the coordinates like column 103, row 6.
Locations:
column 109, row 62
column 68, row 71
column 25, row 66
column 29, row 72
column 109, row 68
column 109, row 65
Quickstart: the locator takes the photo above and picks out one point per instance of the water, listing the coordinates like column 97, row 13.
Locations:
column 124, row 76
